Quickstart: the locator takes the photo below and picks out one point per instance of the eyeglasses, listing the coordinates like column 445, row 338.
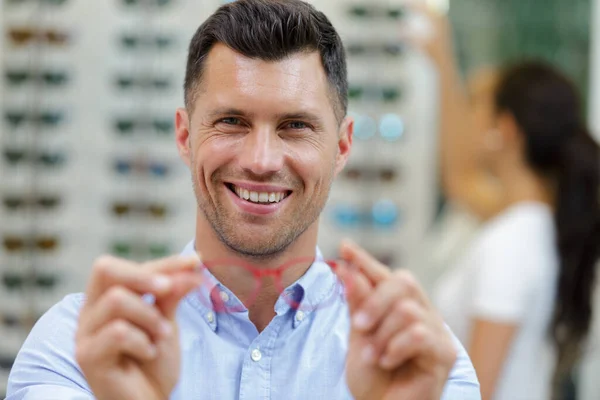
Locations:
column 44, row 118
column 18, row 281
column 139, row 250
column 17, row 77
column 44, row 2
column 387, row 94
column 19, row 243
column 129, row 82
column 127, row 126
column 366, row 49
column 124, row 209
column 382, row 214
column 370, row 11
column 154, row 168
column 14, row 157
column 159, row 3
column 15, row 202
column 23, row 36
column 385, row 174
column 391, row 127
column 222, row 302
column 135, row 42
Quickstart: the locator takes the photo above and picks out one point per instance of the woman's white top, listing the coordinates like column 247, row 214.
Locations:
column 508, row 275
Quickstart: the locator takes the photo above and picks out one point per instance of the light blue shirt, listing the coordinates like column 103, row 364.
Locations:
column 297, row 356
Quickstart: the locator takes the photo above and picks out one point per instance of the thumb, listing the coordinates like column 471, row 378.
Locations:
column 182, row 284
column 357, row 287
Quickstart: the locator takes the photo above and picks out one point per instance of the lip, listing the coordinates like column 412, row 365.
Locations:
column 254, row 187
column 255, row 208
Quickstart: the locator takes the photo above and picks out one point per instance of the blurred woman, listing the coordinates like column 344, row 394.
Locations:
column 520, row 298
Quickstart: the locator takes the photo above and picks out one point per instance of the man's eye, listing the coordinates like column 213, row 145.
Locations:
column 230, row 121
column 297, row 125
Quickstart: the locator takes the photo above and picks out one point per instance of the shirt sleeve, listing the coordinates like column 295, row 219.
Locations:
column 45, row 367
column 462, row 383
column 509, row 268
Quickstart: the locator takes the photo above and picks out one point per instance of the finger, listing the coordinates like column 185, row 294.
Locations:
column 183, row 283
column 173, row 264
column 355, row 255
column 117, row 339
column 416, row 341
column 403, row 314
column 151, row 278
column 379, row 303
column 120, row 303
column 356, row 287
column 109, row 271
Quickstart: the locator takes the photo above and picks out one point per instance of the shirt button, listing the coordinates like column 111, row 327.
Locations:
column 299, row 316
column 224, row 297
column 210, row 317
column 256, row 355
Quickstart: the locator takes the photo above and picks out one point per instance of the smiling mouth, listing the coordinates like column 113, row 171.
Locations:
column 258, row 197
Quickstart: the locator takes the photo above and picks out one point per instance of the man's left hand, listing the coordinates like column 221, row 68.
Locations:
column 399, row 346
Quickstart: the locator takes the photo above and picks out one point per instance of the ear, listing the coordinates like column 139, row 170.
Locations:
column 509, row 130
column 344, row 143
column 182, row 135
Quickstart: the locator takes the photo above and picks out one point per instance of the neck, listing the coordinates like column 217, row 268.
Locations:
column 521, row 184
column 210, row 247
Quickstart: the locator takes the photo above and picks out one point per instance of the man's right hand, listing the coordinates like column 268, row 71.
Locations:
column 128, row 348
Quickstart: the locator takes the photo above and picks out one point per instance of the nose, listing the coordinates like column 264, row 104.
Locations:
column 262, row 151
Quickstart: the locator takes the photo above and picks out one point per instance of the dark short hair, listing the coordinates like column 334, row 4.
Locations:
column 270, row 30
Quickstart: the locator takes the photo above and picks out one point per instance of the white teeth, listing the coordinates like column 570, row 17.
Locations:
column 259, row 197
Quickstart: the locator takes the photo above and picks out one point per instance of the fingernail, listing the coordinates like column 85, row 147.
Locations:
column 385, row 362
column 152, row 351
column 361, row 321
column 368, row 354
column 165, row 329
column 161, row 283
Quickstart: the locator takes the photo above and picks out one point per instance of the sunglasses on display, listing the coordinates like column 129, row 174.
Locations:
column 127, row 126
column 43, row 2
column 17, row 77
column 47, row 119
column 19, row 243
column 384, row 174
column 6, row 363
column 363, row 11
column 16, row 202
column 47, row 159
column 125, row 209
column 221, row 301
column 19, row 281
column 135, row 42
column 24, row 36
column 387, row 94
column 129, row 82
column 130, row 249
column 158, row 3
column 374, row 49
column 382, row 214
column 391, row 127
column 140, row 166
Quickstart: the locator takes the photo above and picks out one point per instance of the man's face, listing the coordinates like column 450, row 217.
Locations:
column 263, row 146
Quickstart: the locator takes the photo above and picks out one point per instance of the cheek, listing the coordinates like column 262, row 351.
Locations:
column 211, row 154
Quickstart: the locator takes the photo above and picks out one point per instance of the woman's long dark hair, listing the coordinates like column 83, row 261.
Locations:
column 547, row 109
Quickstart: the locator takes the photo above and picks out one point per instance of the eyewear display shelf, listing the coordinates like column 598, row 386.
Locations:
column 88, row 163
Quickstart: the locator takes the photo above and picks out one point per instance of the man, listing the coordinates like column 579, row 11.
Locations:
column 264, row 133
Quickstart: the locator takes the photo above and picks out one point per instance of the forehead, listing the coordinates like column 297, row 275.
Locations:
column 297, row 81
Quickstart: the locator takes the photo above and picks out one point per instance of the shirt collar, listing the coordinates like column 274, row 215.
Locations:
column 313, row 288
